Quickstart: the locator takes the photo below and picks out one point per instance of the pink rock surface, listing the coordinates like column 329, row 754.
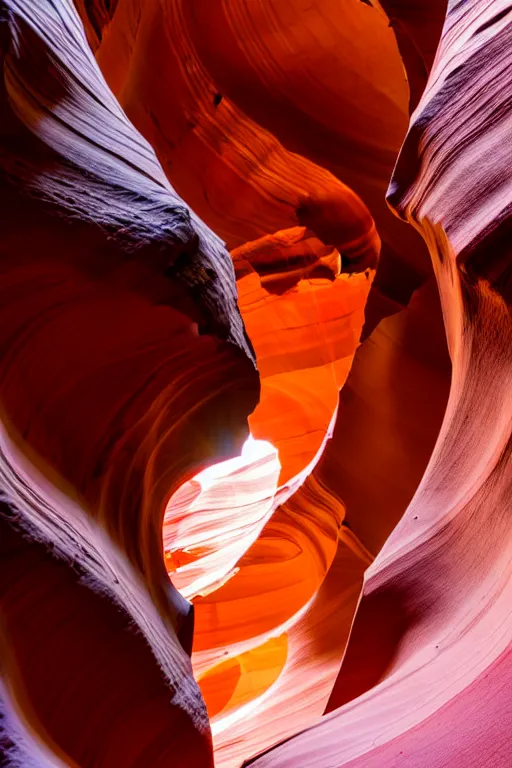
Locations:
column 424, row 679
column 276, row 608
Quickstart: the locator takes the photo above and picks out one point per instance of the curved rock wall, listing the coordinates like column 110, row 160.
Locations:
column 181, row 475
column 425, row 675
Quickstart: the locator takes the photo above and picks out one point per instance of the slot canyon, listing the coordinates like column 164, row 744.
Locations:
column 256, row 383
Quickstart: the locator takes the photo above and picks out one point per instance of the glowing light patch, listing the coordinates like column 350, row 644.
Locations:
column 212, row 520
column 252, row 450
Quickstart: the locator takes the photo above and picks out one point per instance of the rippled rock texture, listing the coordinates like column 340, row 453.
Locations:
column 254, row 428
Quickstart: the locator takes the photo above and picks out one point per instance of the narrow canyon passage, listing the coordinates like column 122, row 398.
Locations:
column 255, row 383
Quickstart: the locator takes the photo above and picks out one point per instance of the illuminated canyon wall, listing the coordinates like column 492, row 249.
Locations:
column 255, row 383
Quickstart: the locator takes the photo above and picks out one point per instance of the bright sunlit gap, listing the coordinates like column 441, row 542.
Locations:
column 252, row 451
column 212, row 520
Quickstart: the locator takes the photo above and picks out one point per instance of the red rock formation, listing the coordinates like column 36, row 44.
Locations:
column 304, row 331
column 389, row 416
column 127, row 368
column 100, row 348
column 326, row 79
column 425, row 675
column 417, row 27
column 86, row 687
column 103, row 433
column 304, row 317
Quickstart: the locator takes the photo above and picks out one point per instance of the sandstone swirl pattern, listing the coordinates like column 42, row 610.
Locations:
column 232, row 533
